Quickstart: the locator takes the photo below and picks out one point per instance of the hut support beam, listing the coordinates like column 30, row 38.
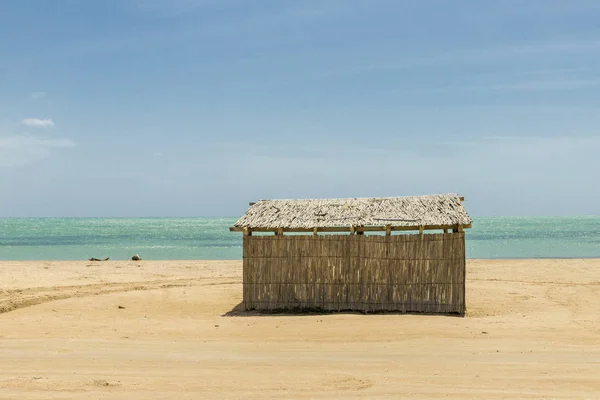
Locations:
column 459, row 228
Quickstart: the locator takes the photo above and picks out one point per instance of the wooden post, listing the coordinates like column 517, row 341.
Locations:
column 388, row 230
column 421, row 229
column 279, row 232
column 316, row 231
column 445, row 230
column 352, row 231
column 247, row 232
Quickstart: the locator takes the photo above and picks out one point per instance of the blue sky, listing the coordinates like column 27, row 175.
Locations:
column 196, row 107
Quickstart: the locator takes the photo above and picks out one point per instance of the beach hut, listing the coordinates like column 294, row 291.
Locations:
column 355, row 254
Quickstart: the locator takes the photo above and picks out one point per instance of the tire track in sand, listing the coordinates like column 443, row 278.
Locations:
column 14, row 299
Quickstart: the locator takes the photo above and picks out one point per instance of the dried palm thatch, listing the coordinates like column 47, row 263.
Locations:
column 441, row 210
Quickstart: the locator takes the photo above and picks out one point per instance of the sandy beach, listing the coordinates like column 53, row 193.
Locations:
column 172, row 329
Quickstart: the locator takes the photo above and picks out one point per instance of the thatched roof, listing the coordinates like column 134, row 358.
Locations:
column 420, row 211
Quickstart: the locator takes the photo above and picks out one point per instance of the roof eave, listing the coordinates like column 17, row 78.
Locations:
column 351, row 228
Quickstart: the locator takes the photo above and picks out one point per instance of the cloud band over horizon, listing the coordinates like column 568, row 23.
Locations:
column 37, row 122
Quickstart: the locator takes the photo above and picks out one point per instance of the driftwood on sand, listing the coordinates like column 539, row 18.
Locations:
column 98, row 259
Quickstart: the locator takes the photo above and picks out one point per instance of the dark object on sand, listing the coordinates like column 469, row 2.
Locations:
column 136, row 258
column 98, row 259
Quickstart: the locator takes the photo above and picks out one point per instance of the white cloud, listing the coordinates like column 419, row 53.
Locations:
column 25, row 149
column 38, row 95
column 37, row 122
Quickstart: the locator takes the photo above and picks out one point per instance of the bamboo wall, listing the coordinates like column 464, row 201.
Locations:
column 406, row 273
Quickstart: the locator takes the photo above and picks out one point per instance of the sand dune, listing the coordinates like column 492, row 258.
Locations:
column 161, row 329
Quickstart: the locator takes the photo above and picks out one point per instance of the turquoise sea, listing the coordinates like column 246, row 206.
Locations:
column 209, row 238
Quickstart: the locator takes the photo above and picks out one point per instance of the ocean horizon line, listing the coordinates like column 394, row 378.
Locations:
column 238, row 216
column 209, row 238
